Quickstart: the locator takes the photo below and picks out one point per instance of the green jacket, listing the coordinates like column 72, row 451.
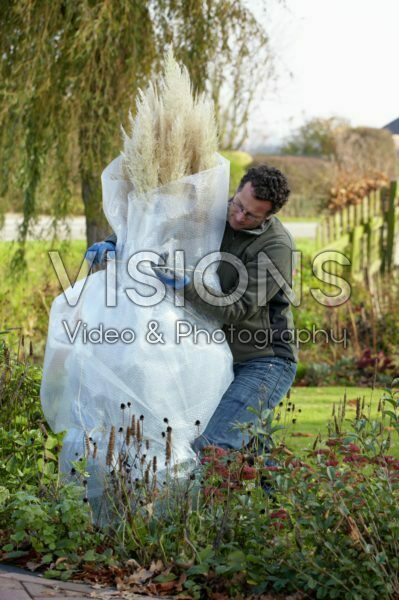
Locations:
column 259, row 322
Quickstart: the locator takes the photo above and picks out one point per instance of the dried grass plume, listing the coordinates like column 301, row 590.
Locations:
column 173, row 134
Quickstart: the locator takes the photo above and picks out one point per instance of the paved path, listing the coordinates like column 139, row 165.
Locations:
column 17, row 584
column 42, row 230
column 78, row 228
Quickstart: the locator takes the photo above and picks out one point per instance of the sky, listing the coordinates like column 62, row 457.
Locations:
column 333, row 58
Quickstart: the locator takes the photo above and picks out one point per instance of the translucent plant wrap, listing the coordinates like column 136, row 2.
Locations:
column 85, row 384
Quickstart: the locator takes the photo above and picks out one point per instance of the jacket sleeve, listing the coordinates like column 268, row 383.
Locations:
column 268, row 272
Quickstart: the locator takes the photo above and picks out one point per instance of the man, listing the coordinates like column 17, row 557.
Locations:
column 258, row 322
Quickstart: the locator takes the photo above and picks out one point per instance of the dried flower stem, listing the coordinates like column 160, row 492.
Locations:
column 111, row 447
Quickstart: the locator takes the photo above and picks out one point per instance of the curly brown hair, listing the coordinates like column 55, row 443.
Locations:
column 269, row 183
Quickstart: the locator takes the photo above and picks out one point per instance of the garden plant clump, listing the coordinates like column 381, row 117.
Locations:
column 321, row 522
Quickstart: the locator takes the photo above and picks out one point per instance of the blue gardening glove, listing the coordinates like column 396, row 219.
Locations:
column 100, row 249
column 168, row 276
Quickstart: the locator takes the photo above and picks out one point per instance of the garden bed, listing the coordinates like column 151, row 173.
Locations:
column 318, row 519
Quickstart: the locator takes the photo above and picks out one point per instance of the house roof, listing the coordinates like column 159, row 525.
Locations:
column 393, row 127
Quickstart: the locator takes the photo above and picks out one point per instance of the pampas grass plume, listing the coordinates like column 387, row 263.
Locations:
column 173, row 134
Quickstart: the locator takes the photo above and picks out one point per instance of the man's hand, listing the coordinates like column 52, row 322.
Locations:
column 168, row 275
column 99, row 249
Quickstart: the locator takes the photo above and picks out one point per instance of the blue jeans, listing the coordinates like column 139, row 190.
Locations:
column 265, row 379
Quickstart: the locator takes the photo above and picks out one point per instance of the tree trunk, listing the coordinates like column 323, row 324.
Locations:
column 97, row 227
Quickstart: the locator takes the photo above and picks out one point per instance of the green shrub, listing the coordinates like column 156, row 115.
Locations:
column 310, row 180
column 239, row 164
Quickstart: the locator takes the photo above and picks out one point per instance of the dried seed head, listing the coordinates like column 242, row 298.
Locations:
column 43, row 430
column 127, row 439
column 141, row 417
column 147, row 444
column 337, row 430
column 168, row 447
column 166, row 420
column 129, row 404
column 147, row 476
column 154, row 464
column 198, row 422
column 111, row 447
column 123, row 406
column 357, row 408
column 87, row 444
column 138, row 431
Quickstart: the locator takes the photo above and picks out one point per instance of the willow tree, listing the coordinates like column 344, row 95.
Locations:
column 70, row 72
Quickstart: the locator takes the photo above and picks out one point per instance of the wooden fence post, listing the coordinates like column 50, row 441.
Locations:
column 368, row 230
column 390, row 219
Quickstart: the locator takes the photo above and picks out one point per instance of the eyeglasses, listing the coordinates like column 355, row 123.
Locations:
column 245, row 212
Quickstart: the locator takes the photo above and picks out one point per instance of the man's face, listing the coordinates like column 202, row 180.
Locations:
column 245, row 211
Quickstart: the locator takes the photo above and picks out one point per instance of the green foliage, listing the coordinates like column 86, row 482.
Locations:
column 51, row 524
column 25, row 302
column 239, row 164
column 37, row 509
column 28, row 452
column 316, row 137
column 323, row 520
column 70, row 74
column 310, row 181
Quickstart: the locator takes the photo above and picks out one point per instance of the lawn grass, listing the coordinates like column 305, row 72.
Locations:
column 25, row 301
column 316, row 404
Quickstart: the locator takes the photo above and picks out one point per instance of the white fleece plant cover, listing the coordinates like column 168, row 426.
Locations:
column 84, row 384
